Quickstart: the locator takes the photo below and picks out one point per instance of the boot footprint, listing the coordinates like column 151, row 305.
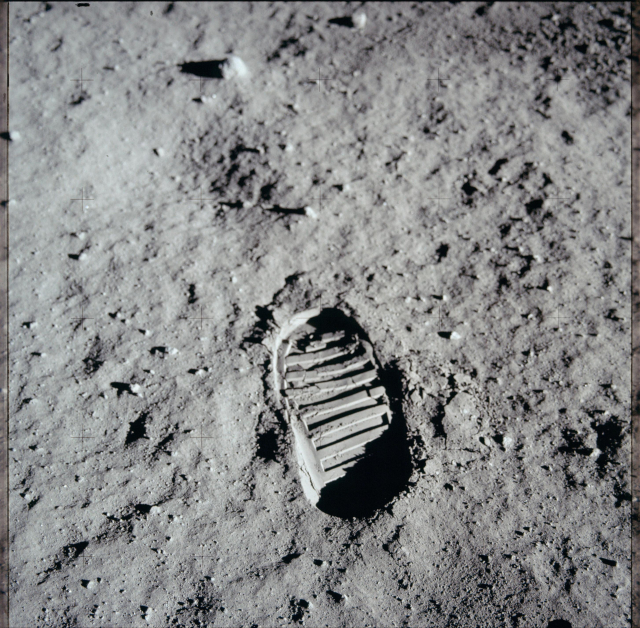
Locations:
column 339, row 411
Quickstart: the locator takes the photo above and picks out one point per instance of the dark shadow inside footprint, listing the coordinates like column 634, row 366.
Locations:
column 374, row 481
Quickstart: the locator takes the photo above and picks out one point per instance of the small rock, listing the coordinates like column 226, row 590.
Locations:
column 359, row 19
column 455, row 335
column 507, row 441
column 159, row 151
column 136, row 389
column 234, row 67
column 14, row 136
column 309, row 211
column 173, row 351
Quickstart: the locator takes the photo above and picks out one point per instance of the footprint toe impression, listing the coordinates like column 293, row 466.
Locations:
column 349, row 457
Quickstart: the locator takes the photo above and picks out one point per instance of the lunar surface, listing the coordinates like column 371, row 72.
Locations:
column 186, row 177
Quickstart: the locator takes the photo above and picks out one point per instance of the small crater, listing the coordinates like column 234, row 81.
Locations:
column 298, row 610
column 568, row 139
column 496, row 167
column 291, row 557
column 442, row 252
column 574, row 444
column 137, row 430
column 468, row 189
column 533, row 207
column 92, row 364
column 143, row 509
column 269, row 445
column 161, row 446
column 504, row 230
column 266, row 191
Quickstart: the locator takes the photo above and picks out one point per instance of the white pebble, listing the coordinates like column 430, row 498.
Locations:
column 455, row 335
column 507, row 441
column 173, row 351
column 136, row 389
column 309, row 211
column 159, row 151
column 234, row 67
column 359, row 19
column 14, row 136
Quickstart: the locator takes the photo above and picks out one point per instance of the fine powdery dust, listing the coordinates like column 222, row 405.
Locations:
column 453, row 179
